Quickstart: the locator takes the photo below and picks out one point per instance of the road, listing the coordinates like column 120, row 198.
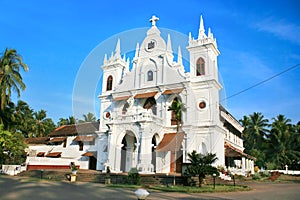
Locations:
column 15, row 188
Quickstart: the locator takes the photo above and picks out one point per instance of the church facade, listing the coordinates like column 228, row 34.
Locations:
column 137, row 128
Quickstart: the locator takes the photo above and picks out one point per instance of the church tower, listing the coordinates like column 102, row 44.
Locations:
column 204, row 74
column 113, row 70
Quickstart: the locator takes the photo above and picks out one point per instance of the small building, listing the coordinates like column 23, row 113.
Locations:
column 66, row 144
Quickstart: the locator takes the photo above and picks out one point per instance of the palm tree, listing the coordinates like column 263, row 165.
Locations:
column 42, row 125
column 255, row 130
column 24, row 118
column 66, row 121
column 10, row 77
column 176, row 107
column 90, row 117
column 283, row 142
column 254, row 135
column 201, row 165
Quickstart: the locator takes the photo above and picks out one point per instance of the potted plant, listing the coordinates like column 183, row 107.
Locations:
column 73, row 168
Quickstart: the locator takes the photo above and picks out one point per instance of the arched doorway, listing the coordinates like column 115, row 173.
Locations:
column 128, row 151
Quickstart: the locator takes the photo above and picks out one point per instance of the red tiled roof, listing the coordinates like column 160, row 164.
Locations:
column 54, row 154
column 90, row 154
column 231, row 151
column 173, row 91
column 40, row 154
column 145, row 95
column 75, row 129
column 121, row 98
column 85, row 138
column 38, row 140
column 168, row 142
column 58, row 139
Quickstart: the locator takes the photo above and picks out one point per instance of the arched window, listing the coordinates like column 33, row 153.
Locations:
column 200, row 67
column 109, row 83
column 150, row 75
column 150, row 103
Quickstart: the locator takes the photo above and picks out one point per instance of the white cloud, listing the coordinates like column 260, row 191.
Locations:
column 281, row 29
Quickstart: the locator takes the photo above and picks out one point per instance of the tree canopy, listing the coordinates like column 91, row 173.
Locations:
column 274, row 144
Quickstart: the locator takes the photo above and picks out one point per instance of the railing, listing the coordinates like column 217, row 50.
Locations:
column 139, row 117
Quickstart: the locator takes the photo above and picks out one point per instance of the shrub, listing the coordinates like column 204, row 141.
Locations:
column 256, row 176
column 134, row 176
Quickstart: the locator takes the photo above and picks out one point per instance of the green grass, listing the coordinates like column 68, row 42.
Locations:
column 185, row 189
column 196, row 189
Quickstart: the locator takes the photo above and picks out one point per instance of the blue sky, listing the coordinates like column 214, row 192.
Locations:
column 257, row 39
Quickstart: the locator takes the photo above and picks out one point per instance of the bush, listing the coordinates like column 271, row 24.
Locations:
column 256, row 176
column 266, row 173
column 271, row 166
column 134, row 176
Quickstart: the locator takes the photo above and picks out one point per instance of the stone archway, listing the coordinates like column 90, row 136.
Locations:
column 128, row 152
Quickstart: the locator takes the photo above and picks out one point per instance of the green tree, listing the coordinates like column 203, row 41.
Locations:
column 90, row 117
column 201, row 165
column 11, row 147
column 66, row 121
column 10, row 78
column 23, row 118
column 177, row 107
column 283, row 142
column 254, row 135
column 42, row 125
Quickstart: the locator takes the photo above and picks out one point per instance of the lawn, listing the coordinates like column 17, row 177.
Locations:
column 186, row 189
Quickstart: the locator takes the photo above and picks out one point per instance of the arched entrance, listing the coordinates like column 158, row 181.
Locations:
column 128, row 152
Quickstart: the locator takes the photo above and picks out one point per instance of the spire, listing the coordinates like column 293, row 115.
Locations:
column 105, row 59
column 137, row 49
column 201, row 33
column 169, row 45
column 179, row 59
column 190, row 36
column 118, row 49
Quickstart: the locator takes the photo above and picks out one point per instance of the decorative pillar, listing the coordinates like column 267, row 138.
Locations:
column 244, row 165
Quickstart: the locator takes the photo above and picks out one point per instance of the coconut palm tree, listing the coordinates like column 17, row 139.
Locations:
column 90, row 117
column 66, row 121
column 177, row 108
column 201, row 165
column 255, row 130
column 283, row 142
column 42, row 125
column 10, row 78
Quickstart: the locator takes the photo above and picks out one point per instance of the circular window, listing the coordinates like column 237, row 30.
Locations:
column 202, row 105
column 106, row 115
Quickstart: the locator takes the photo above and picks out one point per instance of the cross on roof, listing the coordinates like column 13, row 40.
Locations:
column 153, row 20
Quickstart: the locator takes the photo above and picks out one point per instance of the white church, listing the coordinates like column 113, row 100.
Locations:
column 137, row 129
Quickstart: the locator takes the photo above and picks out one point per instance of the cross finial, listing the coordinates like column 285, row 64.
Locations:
column 153, row 20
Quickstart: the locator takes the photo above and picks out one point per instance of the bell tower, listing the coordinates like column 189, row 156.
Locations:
column 204, row 75
column 113, row 70
column 203, row 55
